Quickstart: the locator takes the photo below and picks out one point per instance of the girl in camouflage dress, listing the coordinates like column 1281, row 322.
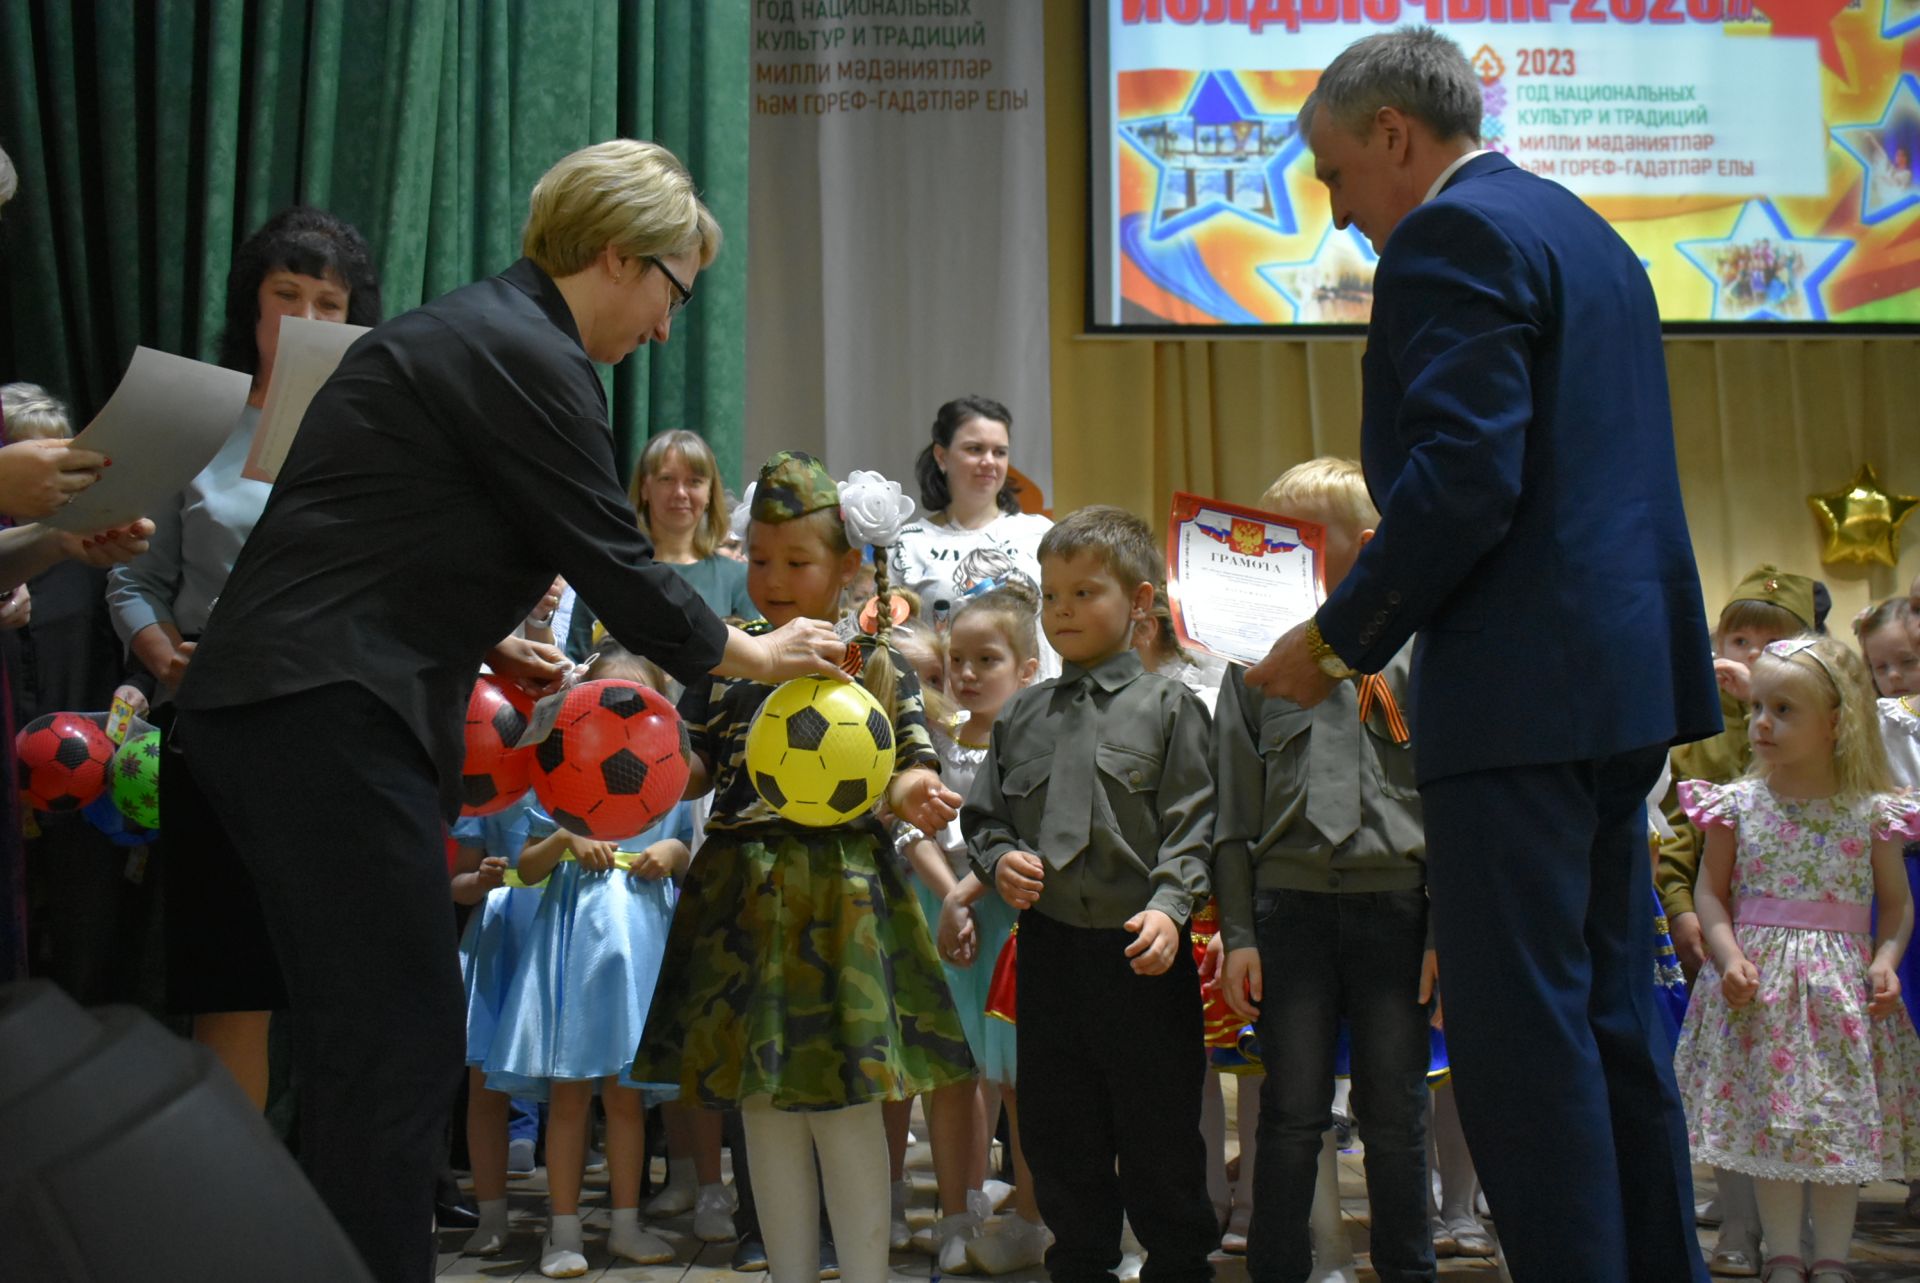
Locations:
column 801, row 983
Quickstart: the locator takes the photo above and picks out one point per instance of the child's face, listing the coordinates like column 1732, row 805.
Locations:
column 1745, row 645
column 792, row 574
column 1345, row 538
column 1789, row 726
column 1087, row 612
column 1895, row 661
column 982, row 671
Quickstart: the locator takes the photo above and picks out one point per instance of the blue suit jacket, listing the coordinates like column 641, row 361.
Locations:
column 1517, row 439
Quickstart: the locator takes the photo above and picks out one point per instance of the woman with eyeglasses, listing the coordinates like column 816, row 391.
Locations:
column 455, row 462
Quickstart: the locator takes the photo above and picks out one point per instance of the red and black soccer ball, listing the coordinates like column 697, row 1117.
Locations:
column 495, row 774
column 64, row 760
column 612, row 765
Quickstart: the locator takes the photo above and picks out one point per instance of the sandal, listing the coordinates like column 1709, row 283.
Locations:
column 1730, row 1262
column 1774, row 1264
column 1832, row 1269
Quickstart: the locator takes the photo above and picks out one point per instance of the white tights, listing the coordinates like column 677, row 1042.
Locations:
column 1783, row 1203
column 852, row 1144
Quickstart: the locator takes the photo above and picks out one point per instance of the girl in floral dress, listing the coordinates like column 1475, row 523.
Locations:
column 1798, row 1062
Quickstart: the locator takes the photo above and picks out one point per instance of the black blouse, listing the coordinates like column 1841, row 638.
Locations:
column 456, row 461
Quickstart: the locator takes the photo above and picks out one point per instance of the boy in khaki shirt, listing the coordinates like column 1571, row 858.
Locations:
column 1321, row 874
column 1093, row 815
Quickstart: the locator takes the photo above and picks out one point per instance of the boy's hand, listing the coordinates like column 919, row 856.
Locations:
column 652, row 864
column 959, row 937
column 1740, row 983
column 1244, row 985
column 918, row 797
column 1017, row 878
column 592, row 856
column 1430, row 987
column 491, row 873
column 1156, row 937
column 1885, row 983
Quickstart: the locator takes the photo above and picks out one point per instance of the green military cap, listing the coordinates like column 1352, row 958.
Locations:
column 792, row 484
column 1792, row 593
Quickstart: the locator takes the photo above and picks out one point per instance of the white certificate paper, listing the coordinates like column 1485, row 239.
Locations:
column 305, row 357
column 1238, row 578
column 167, row 419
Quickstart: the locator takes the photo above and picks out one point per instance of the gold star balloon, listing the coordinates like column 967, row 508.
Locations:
column 1862, row 522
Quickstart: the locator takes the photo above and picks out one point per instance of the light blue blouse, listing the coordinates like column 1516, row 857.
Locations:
column 196, row 539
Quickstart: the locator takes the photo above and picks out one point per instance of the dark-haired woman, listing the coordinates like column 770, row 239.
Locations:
column 220, row 969
column 971, row 532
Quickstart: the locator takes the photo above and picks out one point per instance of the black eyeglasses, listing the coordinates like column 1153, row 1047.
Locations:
column 681, row 294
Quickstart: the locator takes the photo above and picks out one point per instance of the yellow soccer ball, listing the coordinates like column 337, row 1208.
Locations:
column 820, row 752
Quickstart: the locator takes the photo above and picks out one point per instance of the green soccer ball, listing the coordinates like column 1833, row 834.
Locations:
column 136, row 779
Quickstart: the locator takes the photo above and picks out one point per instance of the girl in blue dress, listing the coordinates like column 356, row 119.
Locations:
column 577, row 1005
column 491, row 949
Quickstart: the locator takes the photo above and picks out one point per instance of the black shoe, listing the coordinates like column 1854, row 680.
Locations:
column 750, row 1255
column 829, row 1260
column 454, row 1209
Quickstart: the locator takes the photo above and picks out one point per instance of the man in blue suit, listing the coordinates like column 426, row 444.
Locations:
column 1517, row 439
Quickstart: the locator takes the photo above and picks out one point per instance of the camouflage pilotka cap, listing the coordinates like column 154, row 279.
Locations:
column 792, row 484
column 1792, row 593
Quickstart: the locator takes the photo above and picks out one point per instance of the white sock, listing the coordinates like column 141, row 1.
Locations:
column 491, row 1234
column 562, row 1256
column 629, row 1238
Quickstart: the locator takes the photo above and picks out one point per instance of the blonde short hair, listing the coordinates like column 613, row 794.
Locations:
column 1338, row 483
column 697, row 455
column 33, row 414
column 634, row 196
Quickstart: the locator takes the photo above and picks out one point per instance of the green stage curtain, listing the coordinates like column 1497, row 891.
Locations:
column 152, row 136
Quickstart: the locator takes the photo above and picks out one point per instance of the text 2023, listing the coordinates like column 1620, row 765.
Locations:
column 1546, row 62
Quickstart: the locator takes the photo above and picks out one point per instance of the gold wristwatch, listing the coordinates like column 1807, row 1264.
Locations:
column 1324, row 655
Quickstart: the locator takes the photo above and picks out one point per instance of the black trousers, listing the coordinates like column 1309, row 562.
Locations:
column 334, row 808
column 1543, row 915
column 1111, row 1067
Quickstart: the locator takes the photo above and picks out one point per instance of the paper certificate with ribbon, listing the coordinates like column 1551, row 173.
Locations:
column 1238, row 578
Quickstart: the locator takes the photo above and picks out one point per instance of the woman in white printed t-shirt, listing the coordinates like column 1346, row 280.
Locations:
column 970, row 533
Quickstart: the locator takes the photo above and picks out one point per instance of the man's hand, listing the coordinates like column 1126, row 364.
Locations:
column 1244, row 985
column 1289, row 671
column 1017, row 878
column 538, row 668
column 38, row 478
column 1155, row 939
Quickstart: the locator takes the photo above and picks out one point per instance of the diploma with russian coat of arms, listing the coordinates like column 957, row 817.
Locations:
column 1237, row 578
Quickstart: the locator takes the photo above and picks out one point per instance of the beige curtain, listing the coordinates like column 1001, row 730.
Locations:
column 1759, row 423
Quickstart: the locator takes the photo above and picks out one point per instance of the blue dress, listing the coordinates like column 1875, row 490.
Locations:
column 495, row 939
column 576, row 1008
